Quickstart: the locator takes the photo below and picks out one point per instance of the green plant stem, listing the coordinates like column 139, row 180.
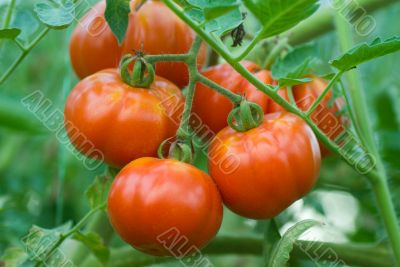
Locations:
column 360, row 255
column 359, row 104
column 25, row 52
column 183, row 130
column 324, row 93
column 234, row 98
column 7, row 19
column 323, row 21
column 63, row 237
column 170, row 58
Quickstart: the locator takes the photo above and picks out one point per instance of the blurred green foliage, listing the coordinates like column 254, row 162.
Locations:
column 43, row 183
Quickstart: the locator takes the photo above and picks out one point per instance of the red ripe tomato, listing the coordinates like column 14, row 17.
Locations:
column 153, row 28
column 213, row 108
column 157, row 30
column 93, row 46
column 124, row 123
column 164, row 207
column 273, row 165
column 325, row 116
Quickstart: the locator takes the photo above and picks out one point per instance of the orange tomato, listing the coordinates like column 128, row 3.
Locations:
column 164, row 207
column 122, row 122
column 269, row 167
column 213, row 108
column 153, row 28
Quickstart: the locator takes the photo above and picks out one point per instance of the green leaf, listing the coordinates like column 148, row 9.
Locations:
column 117, row 17
column 14, row 257
column 286, row 82
column 39, row 241
column 56, row 14
column 216, row 16
column 98, row 191
column 365, row 52
column 281, row 252
column 95, row 243
column 278, row 16
column 9, row 33
column 298, row 63
column 271, row 237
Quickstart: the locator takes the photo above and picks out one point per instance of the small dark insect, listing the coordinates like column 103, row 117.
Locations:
column 238, row 33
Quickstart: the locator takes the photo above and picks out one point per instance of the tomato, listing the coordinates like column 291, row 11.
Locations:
column 164, row 207
column 153, row 28
column 264, row 170
column 122, row 122
column 213, row 108
column 157, row 30
column 325, row 116
column 93, row 46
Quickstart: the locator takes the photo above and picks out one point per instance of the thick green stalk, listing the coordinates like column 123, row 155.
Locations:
column 323, row 21
column 359, row 106
column 368, row 256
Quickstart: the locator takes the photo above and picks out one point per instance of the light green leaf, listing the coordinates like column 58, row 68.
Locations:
column 98, row 191
column 9, row 33
column 365, row 52
column 281, row 252
column 56, row 14
column 216, row 16
column 14, row 257
column 95, row 243
column 298, row 63
column 285, row 82
column 117, row 17
column 278, row 16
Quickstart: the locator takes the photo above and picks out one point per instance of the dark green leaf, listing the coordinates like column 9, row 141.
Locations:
column 98, row 191
column 56, row 14
column 9, row 33
column 117, row 17
column 365, row 52
column 281, row 252
column 95, row 243
column 278, row 16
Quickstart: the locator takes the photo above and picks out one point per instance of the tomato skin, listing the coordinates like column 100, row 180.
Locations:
column 325, row 116
column 123, row 122
column 158, row 29
column 278, row 163
column 150, row 196
column 213, row 108
column 93, row 46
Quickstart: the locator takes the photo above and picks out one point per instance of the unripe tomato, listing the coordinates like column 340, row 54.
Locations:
column 157, row 30
column 124, row 123
column 153, row 28
column 325, row 116
column 273, row 165
column 164, row 207
column 213, row 108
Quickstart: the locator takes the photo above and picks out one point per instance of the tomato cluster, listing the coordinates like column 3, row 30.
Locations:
column 166, row 206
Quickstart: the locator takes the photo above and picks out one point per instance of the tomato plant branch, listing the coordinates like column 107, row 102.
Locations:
column 359, row 104
column 234, row 98
column 368, row 255
column 267, row 89
column 25, row 52
column 63, row 237
column 324, row 93
column 7, row 18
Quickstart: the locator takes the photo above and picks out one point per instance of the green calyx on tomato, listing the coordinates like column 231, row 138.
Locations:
column 142, row 75
column 246, row 116
column 178, row 150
